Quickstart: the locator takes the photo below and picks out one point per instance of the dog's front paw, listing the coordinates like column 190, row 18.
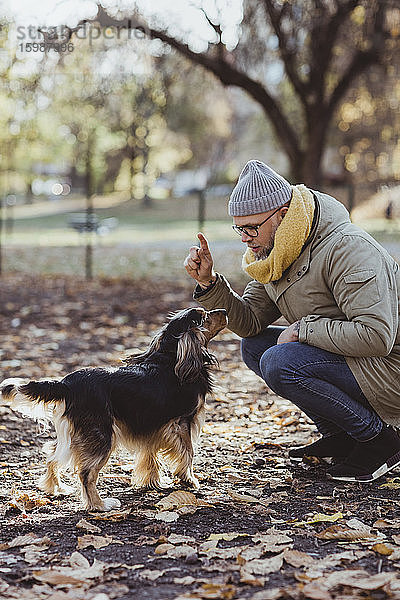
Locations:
column 110, row 504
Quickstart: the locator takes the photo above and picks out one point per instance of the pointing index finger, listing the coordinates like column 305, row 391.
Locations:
column 203, row 243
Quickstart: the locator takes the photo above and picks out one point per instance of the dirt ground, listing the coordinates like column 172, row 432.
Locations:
column 258, row 527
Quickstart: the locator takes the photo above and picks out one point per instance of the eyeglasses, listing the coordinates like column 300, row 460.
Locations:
column 252, row 230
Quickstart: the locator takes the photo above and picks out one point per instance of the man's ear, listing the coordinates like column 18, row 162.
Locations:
column 283, row 211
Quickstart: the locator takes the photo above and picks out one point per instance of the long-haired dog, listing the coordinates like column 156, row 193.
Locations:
column 153, row 406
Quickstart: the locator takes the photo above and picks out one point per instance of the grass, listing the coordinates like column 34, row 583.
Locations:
column 46, row 223
column 147, row 241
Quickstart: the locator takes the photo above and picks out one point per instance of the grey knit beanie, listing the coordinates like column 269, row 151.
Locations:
column 259, row 189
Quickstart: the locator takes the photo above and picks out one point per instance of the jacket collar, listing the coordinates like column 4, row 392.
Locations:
column 329, row 214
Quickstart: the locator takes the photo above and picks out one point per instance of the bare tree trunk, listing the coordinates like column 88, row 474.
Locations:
column 89, row 208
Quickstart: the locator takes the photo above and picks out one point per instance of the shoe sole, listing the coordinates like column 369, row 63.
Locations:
column 393, row 462
column 300, row 459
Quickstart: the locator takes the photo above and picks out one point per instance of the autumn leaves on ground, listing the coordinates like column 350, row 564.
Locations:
column 257, row 528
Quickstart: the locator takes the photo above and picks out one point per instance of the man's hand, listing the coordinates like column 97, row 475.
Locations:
column 290, row 334
column 199, row 263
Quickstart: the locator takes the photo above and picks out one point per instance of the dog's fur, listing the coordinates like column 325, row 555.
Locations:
column 153, row 405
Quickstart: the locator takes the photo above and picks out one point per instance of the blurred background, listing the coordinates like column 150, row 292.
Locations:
column 124, row 125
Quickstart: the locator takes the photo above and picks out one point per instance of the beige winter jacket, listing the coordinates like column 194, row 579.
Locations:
column 344, row 289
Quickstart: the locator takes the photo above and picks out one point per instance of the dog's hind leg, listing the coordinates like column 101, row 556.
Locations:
column 58, row 455
column 90, row 452
column 50, row 481
column 88, row 475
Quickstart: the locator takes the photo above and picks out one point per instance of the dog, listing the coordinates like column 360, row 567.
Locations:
column 153, row 405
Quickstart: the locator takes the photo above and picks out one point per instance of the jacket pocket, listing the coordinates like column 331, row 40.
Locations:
column 361, row 289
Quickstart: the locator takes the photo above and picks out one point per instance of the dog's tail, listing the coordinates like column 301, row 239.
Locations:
column 33, row 398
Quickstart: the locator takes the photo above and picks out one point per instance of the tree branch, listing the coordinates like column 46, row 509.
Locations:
column 218, row 30
column 229, row 75
column 223, row 68
column 361, row 61
column 322, row 41
column 287, row 55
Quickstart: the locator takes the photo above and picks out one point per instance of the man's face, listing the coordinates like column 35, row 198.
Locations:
column 263, row 243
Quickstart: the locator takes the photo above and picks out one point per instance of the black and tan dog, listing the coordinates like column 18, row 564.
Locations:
column 153, row 406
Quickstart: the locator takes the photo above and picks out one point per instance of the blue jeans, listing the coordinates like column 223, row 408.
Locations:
column 320, row 383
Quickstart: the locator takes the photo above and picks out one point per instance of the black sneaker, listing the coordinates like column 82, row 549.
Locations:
column 370, row 460
column 338, row 446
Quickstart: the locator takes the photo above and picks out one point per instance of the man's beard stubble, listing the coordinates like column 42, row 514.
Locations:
column 263, row 254
column 266, row 251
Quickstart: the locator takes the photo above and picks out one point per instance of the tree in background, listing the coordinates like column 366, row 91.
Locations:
column 321, row 46
column 108, row 113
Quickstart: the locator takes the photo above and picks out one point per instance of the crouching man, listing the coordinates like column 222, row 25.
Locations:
column 339, row 360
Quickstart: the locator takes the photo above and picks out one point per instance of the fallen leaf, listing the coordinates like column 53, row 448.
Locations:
column 174, row 538
column 54, row 577
column 249, row 579
column 227, row 537
column 78, row 560
column 70, row 575
column 167, row 516
column 242, row 497
column 297, row 559
column 189, row 509
column 381, row 524
column 26, row 540
column 188, row 580
column 216, row 591
column 353, row 530
column 34, row 554
column 382, row 549
column 319, row 518
column 152, row 575
column 392, row 484
column 250, row 553
column 97, row 541
column 210, row 549
column 112, row 515
column 336, row 559
column 25, row 501
column 314, row 591
column 271, row 594
column 272, row 539
column 359, row 579
column 178, row 499
column 163, row 549
column 263, row 566
column 178, row 552
column 83, row 524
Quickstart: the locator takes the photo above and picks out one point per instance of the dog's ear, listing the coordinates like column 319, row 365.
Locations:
column 189, row 356
column 155, row 344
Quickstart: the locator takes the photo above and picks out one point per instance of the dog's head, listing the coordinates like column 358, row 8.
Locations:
column 197, row 321
column 191, row 330
column 186, row 335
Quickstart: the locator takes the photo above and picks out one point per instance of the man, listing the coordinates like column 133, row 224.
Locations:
column 339, row 360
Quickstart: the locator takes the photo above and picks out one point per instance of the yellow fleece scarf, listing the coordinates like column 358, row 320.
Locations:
column 290, row 238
